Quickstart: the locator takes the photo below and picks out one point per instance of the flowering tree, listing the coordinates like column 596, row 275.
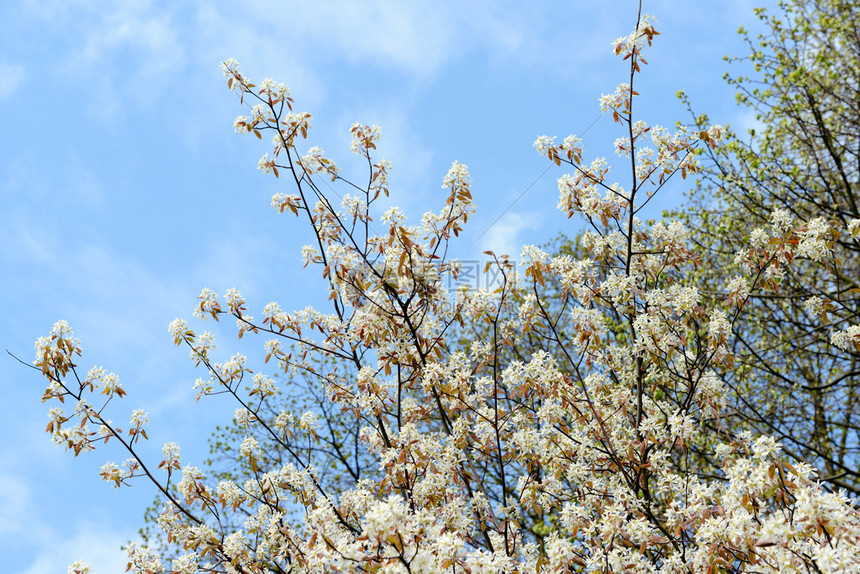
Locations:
column 575, row 458
column 796, row 347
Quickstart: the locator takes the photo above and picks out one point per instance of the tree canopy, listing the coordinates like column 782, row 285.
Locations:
column 793, row 379
column 426, row 438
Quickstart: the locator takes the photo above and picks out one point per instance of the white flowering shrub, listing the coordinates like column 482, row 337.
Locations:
column 574, row 458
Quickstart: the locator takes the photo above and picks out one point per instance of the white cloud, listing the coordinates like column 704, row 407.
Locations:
column 744, row 120
column 14, row 502
column 96, row 545
column 11, row 78
column 52, row 549
column 398, row 34
column 414, row 38
column 115, row 52
column 506, row 235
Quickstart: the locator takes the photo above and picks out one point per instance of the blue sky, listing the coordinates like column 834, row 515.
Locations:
column 124, row 189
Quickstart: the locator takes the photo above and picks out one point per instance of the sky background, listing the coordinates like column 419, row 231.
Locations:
column 124, row 190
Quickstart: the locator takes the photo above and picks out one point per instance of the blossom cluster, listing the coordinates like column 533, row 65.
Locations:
column 572, row 457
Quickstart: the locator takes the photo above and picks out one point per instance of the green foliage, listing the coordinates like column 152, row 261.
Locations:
column 802, row 156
